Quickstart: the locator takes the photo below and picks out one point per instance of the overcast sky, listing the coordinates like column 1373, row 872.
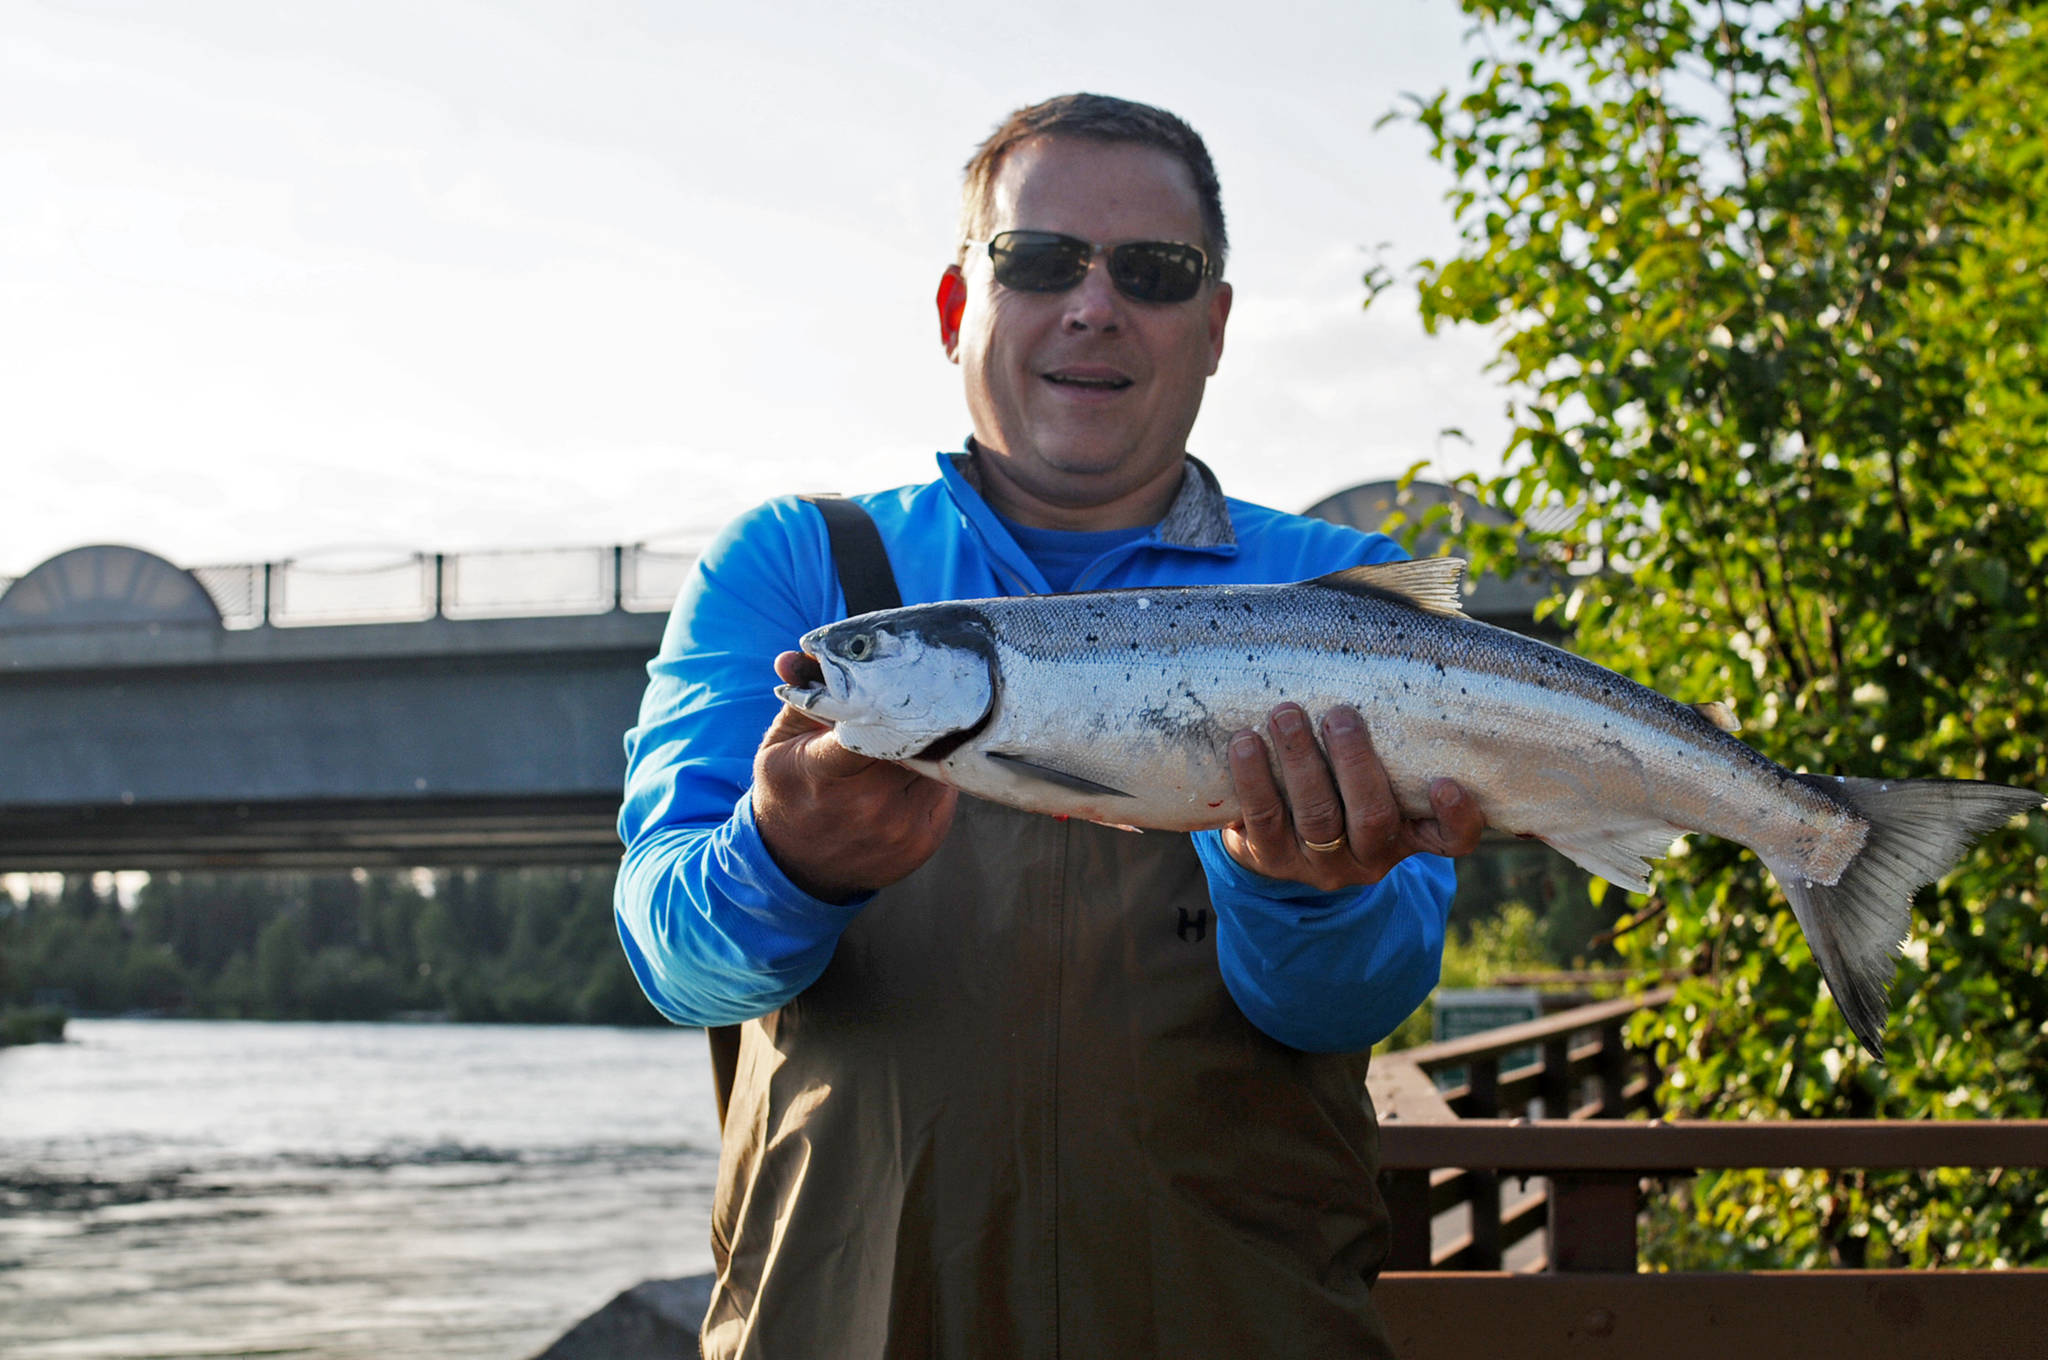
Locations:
column 278, row 278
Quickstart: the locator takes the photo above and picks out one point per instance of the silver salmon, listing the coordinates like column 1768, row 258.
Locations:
column 1118, row 706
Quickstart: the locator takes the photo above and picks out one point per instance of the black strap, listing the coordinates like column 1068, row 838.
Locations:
column 857, row 552
column 868, row 584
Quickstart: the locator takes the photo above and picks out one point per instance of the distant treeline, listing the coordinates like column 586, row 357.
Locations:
column 526, row 945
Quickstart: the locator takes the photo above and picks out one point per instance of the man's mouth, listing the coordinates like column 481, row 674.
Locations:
column 1088, row 379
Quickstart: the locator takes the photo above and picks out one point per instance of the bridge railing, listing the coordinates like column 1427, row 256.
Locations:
column 387, row 586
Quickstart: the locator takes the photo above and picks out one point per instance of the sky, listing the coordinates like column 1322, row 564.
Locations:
column 284, row 280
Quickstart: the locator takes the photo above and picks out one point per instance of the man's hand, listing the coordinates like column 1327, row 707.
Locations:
column 839, row 823
column 1336, row 824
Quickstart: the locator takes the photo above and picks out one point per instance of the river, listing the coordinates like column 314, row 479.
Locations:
column 176, row 1188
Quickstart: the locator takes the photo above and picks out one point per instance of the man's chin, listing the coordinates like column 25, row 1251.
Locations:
column 1080, row 475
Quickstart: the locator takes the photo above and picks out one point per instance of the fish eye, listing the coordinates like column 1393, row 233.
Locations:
column 859, row 647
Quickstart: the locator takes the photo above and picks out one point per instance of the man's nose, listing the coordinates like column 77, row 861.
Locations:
column 1094, row 303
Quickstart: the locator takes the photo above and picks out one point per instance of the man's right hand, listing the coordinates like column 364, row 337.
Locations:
column 836, row 822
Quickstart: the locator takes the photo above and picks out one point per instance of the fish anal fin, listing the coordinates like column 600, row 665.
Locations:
column 1033, row 769
column 1431, row 584
column 1621, row 855
column 1719, row 714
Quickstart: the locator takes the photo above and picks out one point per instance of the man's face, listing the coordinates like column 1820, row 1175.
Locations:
column 1083, row 400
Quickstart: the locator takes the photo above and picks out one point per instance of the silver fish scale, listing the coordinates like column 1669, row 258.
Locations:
column 1147, row 687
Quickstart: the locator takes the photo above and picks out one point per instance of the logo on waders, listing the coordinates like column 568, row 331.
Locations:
column 1193, row 928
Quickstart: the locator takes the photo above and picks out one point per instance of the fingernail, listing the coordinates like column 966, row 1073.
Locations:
column 1448, row 792
column 1244, row 746
column 1340, row 721
column 1290, row 721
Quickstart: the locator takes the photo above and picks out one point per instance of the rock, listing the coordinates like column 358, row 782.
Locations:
column 654, row 1320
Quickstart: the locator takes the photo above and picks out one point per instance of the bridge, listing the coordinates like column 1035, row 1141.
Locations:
column 364, row 708
column 277, row 714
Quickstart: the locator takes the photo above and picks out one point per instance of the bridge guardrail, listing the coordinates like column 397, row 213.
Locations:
column 402, row 586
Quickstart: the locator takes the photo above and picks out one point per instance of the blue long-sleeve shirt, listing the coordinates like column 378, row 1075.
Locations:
column 716, row 933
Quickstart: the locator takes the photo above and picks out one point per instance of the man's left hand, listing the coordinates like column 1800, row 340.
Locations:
column 1335, row 823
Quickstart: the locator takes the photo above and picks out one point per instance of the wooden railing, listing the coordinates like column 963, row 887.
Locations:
column 1573, row 1227
column 1584, row 1069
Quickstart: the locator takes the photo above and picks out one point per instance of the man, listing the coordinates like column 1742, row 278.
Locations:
column 1010, row 1085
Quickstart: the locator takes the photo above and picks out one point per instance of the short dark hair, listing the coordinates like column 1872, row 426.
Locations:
column 1098, row 118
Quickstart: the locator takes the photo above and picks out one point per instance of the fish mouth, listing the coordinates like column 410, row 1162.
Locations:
column 830, row 686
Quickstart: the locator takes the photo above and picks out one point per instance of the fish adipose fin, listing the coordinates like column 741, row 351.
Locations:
column 1857, row 925
column 1431, row 584
column 1621, row 855
column 1031, row 769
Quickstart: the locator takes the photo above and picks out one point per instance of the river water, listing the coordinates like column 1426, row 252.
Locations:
column 342, row 1191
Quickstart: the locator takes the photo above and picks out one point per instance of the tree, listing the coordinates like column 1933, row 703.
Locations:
column 281, row 962
column 1768, row 287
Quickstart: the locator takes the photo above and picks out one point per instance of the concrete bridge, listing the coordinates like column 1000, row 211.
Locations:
column 139, row 730
column 403, row 709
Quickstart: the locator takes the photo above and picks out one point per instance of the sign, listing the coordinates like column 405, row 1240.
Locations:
column 1457, row 1012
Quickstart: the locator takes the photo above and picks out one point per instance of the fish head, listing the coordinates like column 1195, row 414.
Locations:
column 897, row 682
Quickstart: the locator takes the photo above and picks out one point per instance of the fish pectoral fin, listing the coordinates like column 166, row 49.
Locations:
column 1431, row 584
column 1034, row 769
column 1621, row 855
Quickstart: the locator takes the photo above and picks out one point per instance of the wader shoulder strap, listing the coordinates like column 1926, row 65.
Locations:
column 857, row 552
column 868, row 584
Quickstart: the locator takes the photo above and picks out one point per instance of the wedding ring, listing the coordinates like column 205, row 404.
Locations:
column 1325, row 847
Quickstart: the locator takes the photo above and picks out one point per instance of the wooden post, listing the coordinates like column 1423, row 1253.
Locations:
column 1556, row 1084
column 1407, row 1197
column 1593, row 1221
column 1485, row 1206
column 1613, row 1071
column 1484, row 1080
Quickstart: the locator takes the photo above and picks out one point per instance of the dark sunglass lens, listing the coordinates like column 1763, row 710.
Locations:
column 1038, row 262
column 1157, row 271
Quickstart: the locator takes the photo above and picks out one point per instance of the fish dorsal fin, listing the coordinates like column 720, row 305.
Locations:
column 1719, row 714
column 1431, row 584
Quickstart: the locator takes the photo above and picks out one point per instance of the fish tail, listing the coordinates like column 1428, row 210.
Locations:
column 1858, row 925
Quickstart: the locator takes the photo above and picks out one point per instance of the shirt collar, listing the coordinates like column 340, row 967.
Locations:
column 1198, row 518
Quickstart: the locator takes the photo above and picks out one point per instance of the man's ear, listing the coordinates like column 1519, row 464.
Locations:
column 1219, row 314
column 952, row 300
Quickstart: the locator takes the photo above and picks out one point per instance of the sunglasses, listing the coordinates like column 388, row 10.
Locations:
column 1144, row 271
